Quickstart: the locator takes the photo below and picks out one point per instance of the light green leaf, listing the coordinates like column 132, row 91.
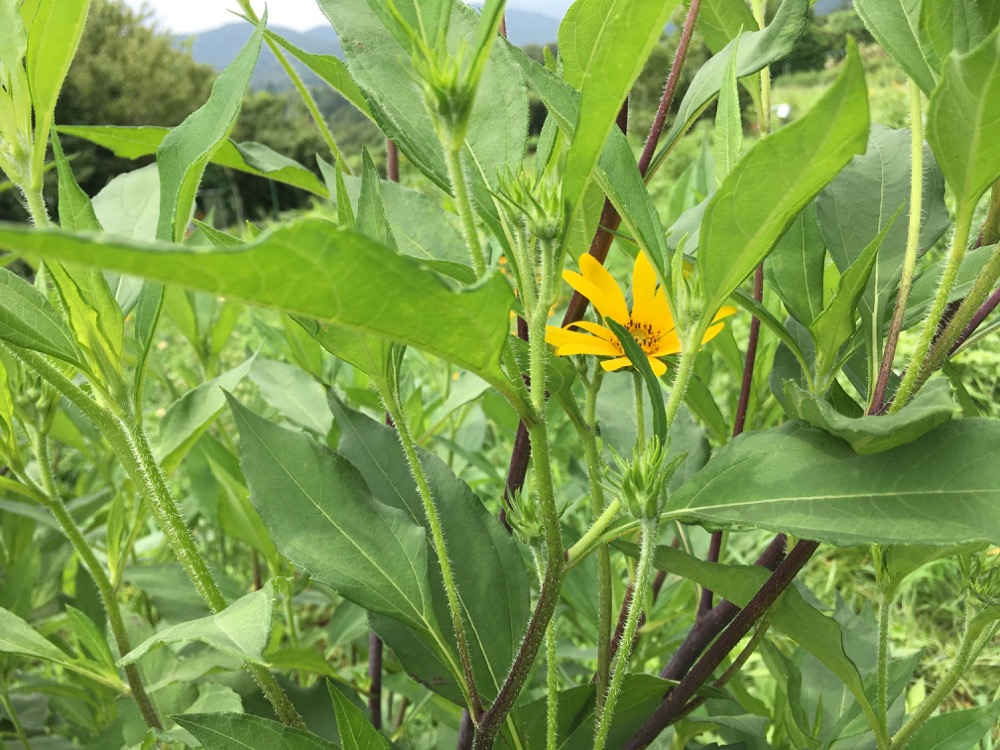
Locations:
column 242, row 731
column 190, row 415
column 728, row 121
column 76, row 212
column 956, row 730
column 54, row 31
column 404, row 301
column 943, row 488
column 895, row 24
column 185, row 151
column 356, row 732
column 948, row 26
column 962, row 121
column 603, row 45
column 901, row 560
column 787, row 170
column 29, row 320
column 371, row 214
column 755, row 51
column 323, row 518
column 242, row 629
column 18, row 637
column 296, row 396
column 252, row 158
column 331, row 69
column 932, row 406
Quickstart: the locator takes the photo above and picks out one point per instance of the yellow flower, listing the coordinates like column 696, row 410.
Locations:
column 650, row 321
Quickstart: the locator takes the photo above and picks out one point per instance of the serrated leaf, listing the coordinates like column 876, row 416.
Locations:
column 728, row 121
column 240, row 731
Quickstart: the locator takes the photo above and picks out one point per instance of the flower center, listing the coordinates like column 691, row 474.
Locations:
column 645, row 335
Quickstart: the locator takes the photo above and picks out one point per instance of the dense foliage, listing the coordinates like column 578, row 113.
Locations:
column 526, row 443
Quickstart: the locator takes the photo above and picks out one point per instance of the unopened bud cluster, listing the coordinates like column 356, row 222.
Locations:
column 536, row 203
column 524, row 516
column 642, row 481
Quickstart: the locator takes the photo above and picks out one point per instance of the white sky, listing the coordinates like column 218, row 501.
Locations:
column 189, row 16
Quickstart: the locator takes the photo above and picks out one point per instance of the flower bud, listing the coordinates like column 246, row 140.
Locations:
column 642, row 481
column 525, row 518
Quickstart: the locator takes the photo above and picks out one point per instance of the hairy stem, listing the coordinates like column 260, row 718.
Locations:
column 910, row 257
column 53, row 501
column 395, row 410
column 882, row 663
column 460, row 191
column 642, row 574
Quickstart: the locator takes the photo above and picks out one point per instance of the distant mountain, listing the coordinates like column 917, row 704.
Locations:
column 826, row 7
column 218, row 47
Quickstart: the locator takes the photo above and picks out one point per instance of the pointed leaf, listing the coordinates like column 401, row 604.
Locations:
column 794, row 269
column 943, row 488
column 895, row 24
column 728, row 121
column 356, row 732
column 956, row 730
column 404, row 301
column 949, row 26
column 787, row 170
column 18, row 637
column 242, row 629
column 27, row 319
column 322, row 517
column 241, row 731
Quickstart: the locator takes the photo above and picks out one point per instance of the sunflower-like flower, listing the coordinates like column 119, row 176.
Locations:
column 649, row 321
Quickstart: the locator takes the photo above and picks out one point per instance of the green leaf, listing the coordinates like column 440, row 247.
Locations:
column 728, row 121
column 719, row 21
column 834, row 326
column 468, row 328
column 296, row 396
column 252, row 158
column 18, row 637
column 858, row 205
column 943, row 488
column 242, row 731
column 242, row 629
column 787, row 170
column 948, row 26
column 755, row 51
column 190, row 415
column 925, row 287
column 76, row 212
column 371, row 213
column 902, row 560
column 794, row 269
column 895, row 24
column 185, row 151
column 28, row 319
column 479, row 548
column 603, row 45
column 956, row 730
column 640, row 362
column 331, row 69
column 54, row 31
column 356, row 732
column 962, row 119
column 323, row 518
column 932, row 406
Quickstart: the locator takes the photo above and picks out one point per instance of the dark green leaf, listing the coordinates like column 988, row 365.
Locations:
column 371, row 214
column 943, row 488
column 356, row 732
column 932, row 406
column 787, row 170
column 241, row 731
column 641, row 363
column 18, row 637
column 794, row 269
column 956, row 730
column 948, row 26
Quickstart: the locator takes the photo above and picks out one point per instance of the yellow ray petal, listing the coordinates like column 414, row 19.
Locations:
column 724, row 312
column 643, row 290
column 712, row 332
column 610, row 365
column 596, row 329
column 662, row 318
column 572, row 342
column 608, row 306
column 669, row 343
column 613, row 299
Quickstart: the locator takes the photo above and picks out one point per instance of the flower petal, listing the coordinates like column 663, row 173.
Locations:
column 658, row 367
column 643, row 290
column 724, row 312
column 610, row 365
column 612, row 302
column 596, row 329
column 572, row 342
column 712, row 332
column 662, row 317
column 668, row 343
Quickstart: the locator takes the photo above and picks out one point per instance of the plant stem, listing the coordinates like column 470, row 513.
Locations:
column 375, row 677
column 460, row 190
column 910, row 258
column 765, row 74
column 35, row 199
column 685, row 369
column 963, row 223
column 392, row 405
column 551, row 673
column 882, row 663
column 969, row 649
column 592, row 536
column 53, row 501
column 642, row 573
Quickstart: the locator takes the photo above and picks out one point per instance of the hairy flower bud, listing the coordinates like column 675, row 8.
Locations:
column 525, row 518
column 642, row 481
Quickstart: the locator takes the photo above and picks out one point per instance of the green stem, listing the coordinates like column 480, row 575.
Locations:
column 910, row 257
column 53, row 501
column 971, row 645
column 642, row 575
column 882, row 667
column 392, row 405
column 594, row 467
column 35, row 199
column 910, row 384
column 551, row 674
column 14, row 718
column 685, row 369
column 592, row 537
column 765, row 74
column 460, row 189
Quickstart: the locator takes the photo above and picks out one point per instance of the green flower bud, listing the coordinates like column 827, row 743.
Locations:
column 525, row 518
column 642, row 481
